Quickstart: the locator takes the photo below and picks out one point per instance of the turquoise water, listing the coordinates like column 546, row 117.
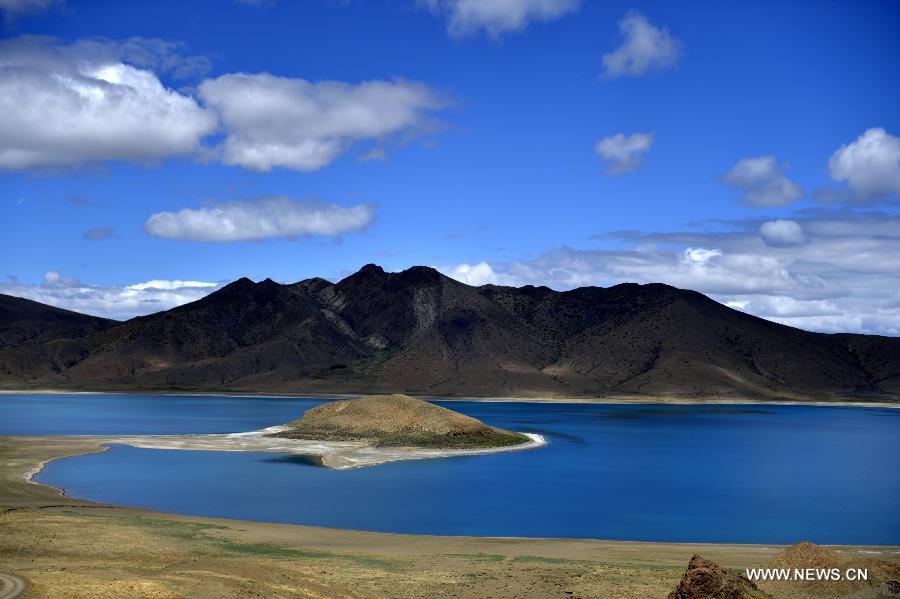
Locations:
column 759, row 474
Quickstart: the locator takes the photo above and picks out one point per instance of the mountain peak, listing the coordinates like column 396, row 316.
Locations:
column 371, row 269
column 422, row 274
column 313, row 285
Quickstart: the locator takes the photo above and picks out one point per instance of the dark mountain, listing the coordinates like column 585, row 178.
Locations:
column 23, row 321
column 420, row 332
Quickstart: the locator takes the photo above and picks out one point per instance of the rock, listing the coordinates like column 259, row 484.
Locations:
column 705, row 579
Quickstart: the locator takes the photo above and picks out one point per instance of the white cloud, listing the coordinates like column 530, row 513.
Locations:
column 645, row 48
column 68, row 105
column 13, row 9
column 844, row 277
column 119, row 302
column 472, row 274
column 762, row 182
column 700, row 256
column 782, row 233
column 97, row 100
column 260, row 218
column 624, row 152
column 281, row 122
column 870, row 165
column 496, row 17
column 54, row 279
column 163, row 284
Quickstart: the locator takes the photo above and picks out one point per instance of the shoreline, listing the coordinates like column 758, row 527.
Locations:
column 39, row 467
column 28, row 476
column 96, row 447
column 614, row 400
column 58, row 543
column 336, row 455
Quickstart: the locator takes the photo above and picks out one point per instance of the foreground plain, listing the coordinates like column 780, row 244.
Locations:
column 63, row 546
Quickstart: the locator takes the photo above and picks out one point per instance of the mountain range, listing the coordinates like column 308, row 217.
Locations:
column 422, row 333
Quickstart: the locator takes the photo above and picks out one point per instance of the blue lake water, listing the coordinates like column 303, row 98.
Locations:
column 753, row 474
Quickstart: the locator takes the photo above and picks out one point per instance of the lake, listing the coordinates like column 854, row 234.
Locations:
column 747, row 474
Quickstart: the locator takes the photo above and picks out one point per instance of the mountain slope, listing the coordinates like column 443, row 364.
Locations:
column 419, row 331
column 24, row 321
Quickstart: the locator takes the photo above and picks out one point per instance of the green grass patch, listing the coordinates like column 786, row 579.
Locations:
column 267, row 550
column 536, row 559
column 179, row 529
column 481, row 557
column 197, row 532
column 493, row 438
column 361, row 368
column 278, row 552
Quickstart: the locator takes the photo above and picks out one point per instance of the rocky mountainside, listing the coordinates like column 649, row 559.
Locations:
column 420, row 332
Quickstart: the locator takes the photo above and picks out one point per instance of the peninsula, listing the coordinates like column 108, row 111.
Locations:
column 354, row 433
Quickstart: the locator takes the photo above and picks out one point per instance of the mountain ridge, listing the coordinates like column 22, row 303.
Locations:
column 420, row 332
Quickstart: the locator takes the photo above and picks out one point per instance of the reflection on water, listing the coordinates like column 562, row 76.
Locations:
column 295, row 460
column 687, row 411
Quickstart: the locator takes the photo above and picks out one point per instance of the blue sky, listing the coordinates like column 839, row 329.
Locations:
column 466, row 136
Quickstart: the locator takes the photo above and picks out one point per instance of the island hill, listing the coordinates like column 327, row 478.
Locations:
column 397, row 421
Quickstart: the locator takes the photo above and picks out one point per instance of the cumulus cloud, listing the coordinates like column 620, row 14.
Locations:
column 700, row 256
column 644, row 48
column 260, row 218
column 472, row 274
column 762, row 182
column 54, row 279
column 782, row 233
column 870, row 165
column 67, row 105
column 118, row 302
column 98, row 100
column 496, row 17
column 845, row 276
column 624, row 153
column 99, row 233
column 280, row 122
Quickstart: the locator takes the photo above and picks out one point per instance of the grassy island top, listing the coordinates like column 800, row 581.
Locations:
column 397, row 421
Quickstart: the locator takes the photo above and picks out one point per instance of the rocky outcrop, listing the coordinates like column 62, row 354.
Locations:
column 705, row 579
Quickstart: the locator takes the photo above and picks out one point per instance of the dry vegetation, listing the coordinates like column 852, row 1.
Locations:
column 397, row 421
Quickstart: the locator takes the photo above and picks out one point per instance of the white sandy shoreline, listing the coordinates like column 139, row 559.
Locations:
column 338, row 455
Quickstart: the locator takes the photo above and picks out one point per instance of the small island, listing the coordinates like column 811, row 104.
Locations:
column 397, row 421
